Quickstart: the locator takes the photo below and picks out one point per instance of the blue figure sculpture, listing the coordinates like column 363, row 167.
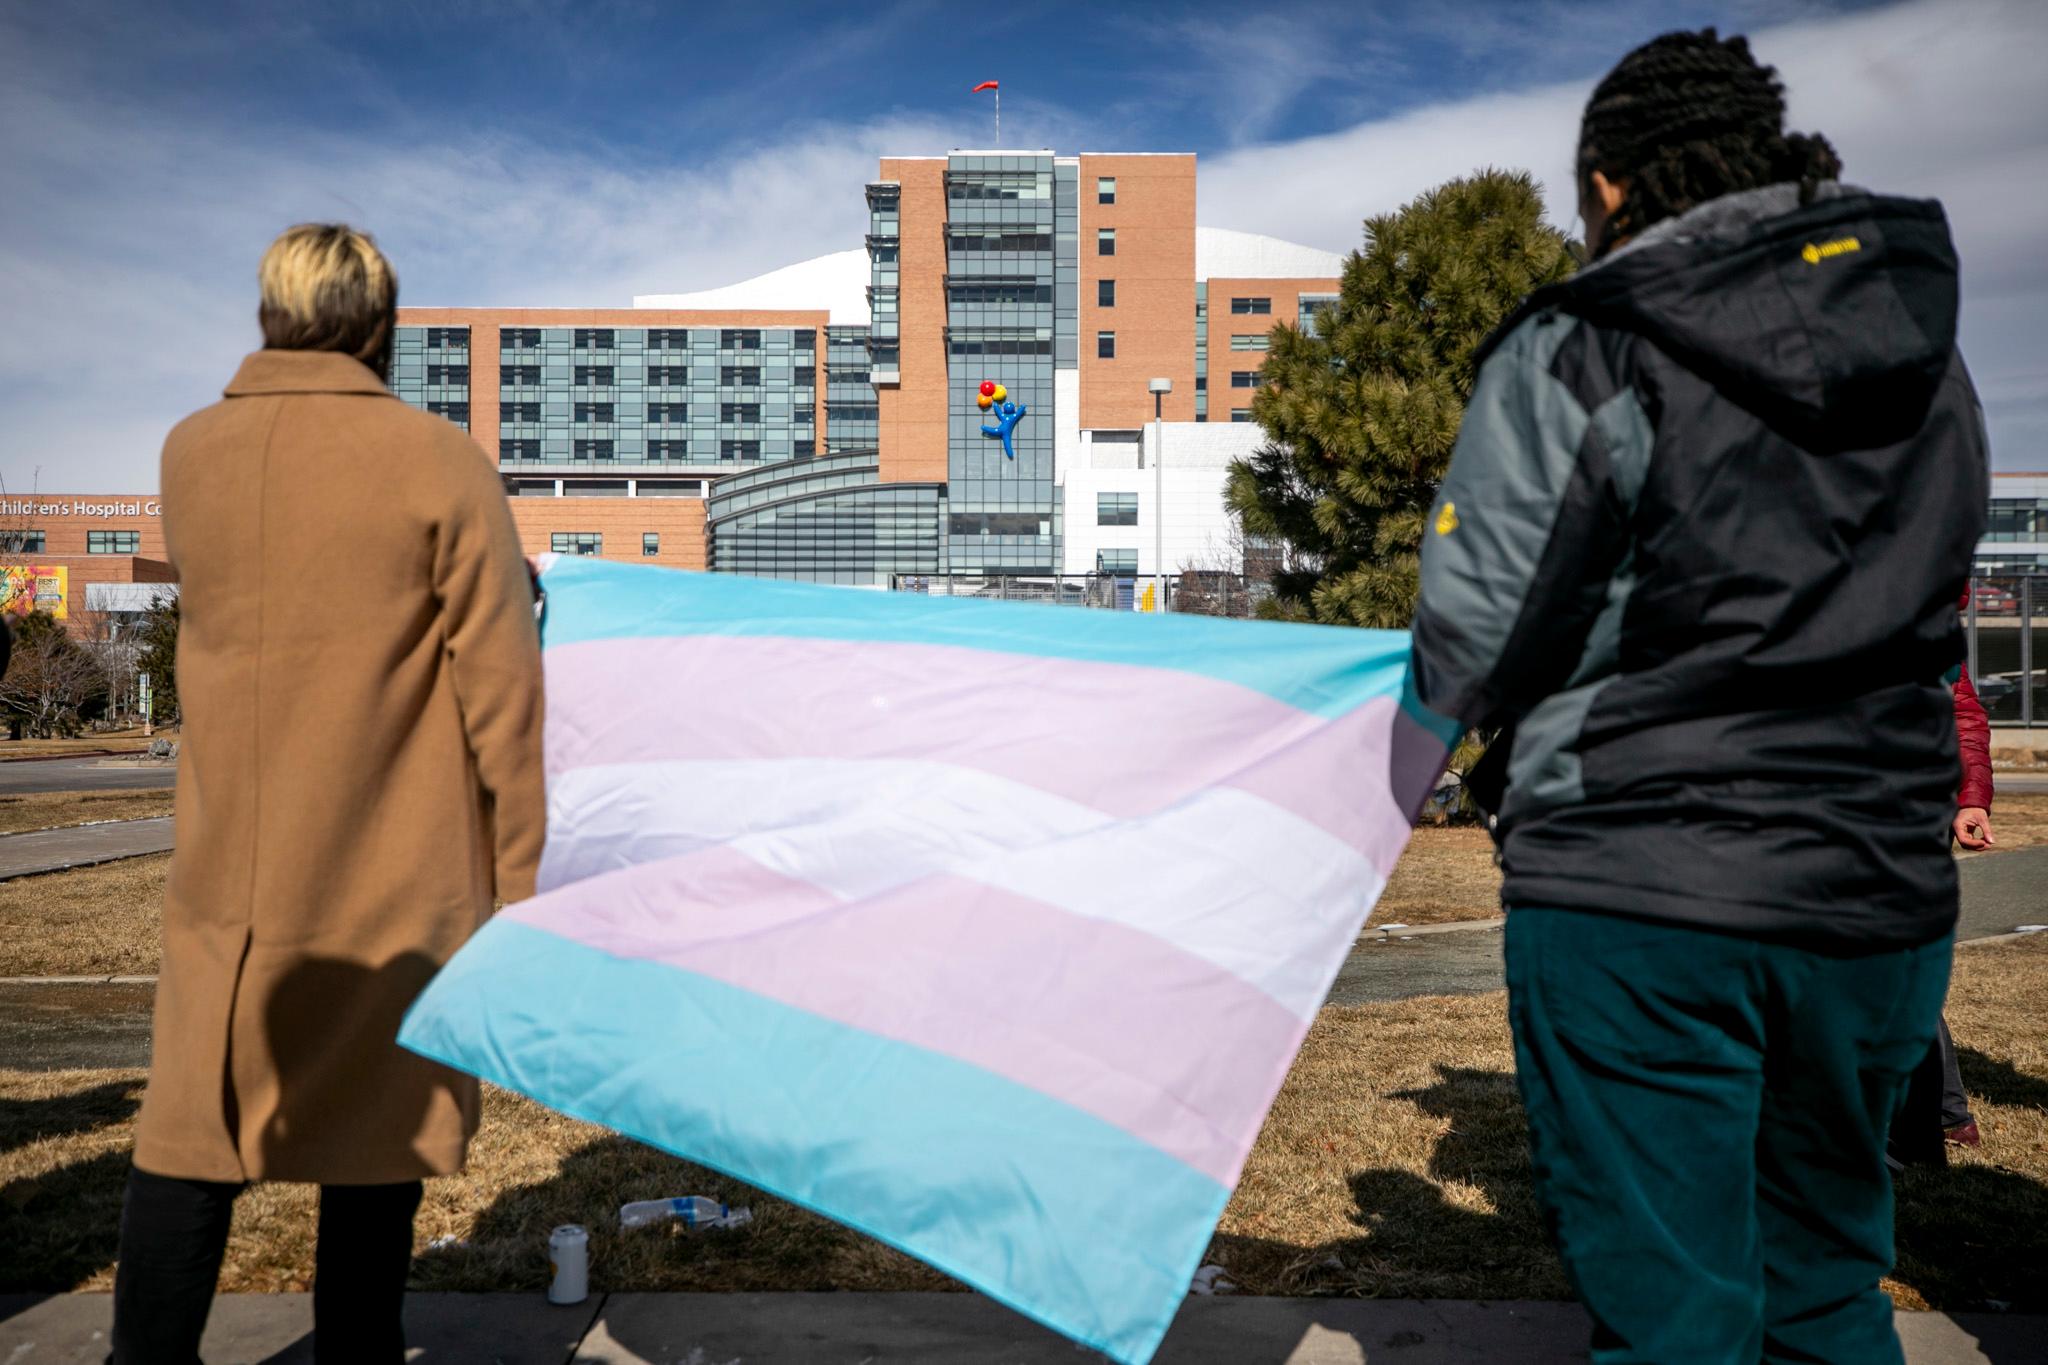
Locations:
column 1007, row 415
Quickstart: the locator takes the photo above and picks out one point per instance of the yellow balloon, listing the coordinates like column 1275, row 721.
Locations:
column 983, row 400
column 1001, row 393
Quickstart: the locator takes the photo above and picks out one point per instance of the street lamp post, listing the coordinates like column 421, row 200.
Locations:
column 1159, row 389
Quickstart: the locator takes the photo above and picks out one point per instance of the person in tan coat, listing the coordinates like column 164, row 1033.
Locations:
column 360, row 778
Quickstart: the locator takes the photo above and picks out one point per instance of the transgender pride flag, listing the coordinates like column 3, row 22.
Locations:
column 988, row 929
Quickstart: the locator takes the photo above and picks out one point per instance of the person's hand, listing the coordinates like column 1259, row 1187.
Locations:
column 1973, row 827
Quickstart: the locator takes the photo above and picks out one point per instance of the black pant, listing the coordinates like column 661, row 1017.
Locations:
column 175, row 1232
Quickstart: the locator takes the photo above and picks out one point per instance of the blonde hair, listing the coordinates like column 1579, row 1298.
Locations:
column 326, row 287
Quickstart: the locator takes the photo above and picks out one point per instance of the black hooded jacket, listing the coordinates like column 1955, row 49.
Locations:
column 1700, row 546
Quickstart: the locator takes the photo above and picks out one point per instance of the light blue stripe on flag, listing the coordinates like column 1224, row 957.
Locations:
column 1325, row 670
column 1033, row 1202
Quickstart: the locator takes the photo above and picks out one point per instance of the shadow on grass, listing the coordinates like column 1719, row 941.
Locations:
column 81, row 1111
column 1996, row 1082
column 1971, row 1236
column 785, row 1248
column 63, row 1226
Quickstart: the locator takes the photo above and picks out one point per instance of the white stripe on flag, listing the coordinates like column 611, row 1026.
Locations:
column 1224, row 875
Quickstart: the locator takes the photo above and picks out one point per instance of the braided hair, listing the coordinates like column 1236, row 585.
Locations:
column 1686, row 118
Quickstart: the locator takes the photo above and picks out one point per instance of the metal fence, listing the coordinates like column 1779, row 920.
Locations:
column 1202, row 593
column 2007, row 631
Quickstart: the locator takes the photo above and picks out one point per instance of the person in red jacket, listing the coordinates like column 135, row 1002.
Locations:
column 1972, row 830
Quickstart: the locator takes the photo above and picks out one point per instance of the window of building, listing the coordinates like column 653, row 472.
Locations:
column 1251, row 343
column 1105, row 345
column 1105, row 241
column 593, row 338
column 519, row 338
column 1116, row 561
column 519, row 449
column 518, row 412
column 807, row 446
column 671, row 488
column 1105, row 293
column 447, row 374
column 448, row 336
column 1256, row 307
column 596, row 376
column 519, row 376
column 530, row 488
column 739, row 376
column 668, row 339
column 804, row 376
column 650, row 543
column 1240, row 414
column 597, row 412
column 739, row 450
column 1201, row 383
column 576, row 542
column 454, row 411
column 744, row 413
column 668, row 449
column 1244, row 379
column 669, row 376
column 1105, row 189
column 739, row 339
column 112, row 542
column 593, row 488
column 594, row 449
column 22, row 542
column 668, row 414
column 1116, row 509
column 803, row 339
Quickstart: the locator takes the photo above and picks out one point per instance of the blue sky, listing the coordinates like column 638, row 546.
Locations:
column 545, row 153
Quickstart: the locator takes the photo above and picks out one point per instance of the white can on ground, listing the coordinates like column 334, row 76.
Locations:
column 569, row 1254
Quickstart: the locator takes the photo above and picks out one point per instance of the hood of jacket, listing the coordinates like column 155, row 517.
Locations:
column 1834, row 320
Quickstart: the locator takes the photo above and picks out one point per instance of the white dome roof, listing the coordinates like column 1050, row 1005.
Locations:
column 838, row 282
column 1226, row 254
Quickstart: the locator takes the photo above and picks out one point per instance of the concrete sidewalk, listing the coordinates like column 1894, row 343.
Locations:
column 54, row 850
column 921, row 1329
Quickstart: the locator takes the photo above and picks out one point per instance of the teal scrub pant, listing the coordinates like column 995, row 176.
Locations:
column 1707, row 1120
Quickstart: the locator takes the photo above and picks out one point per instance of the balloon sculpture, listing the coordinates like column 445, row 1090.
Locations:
column 994, row 399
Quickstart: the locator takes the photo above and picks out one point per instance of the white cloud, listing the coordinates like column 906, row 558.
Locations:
column 1939, row 98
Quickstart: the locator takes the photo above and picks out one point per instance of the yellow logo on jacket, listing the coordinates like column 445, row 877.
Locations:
column 1814, row 253
column 1447, row 520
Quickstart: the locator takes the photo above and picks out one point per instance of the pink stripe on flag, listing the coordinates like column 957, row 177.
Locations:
column 1031, row 720
column 1115, row 1022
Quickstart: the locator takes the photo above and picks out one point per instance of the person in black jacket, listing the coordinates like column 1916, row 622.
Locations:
column 1699, row 551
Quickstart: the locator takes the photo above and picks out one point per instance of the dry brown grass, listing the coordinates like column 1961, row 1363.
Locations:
column 94, row 921
column 1446, row 874
column 1393, row 1164
column 115, row 741
column 26, row 811
column 2019, row 819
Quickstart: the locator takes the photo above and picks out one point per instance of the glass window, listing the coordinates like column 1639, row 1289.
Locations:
column 588, row 449
column 521, row 449
column 739, row 450
column 519, row 338
column 597, row 412
column 1105, row 345
column 1116, row 561
column 1252, row 343
column 518, row 376
column 577, row 542
column 602, row 376
column 1105, row 189
column 668, row 450
column 518, row 412
column 1105, row 241
column 1116, row 509
column 1258, row 307
column 650, row 543
column 660, row 413
column 21, row 542
column 739, row 339
column 1240, row 414
column 593, row 338
column 447, row 374
column 112, row 542
column 1105, row 293
column 739, row 412
column 1244, row 379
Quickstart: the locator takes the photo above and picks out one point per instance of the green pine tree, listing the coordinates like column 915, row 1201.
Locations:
column 158, row 656
column 1360, row 415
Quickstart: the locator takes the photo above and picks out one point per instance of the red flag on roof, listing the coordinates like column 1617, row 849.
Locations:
column 986, row 85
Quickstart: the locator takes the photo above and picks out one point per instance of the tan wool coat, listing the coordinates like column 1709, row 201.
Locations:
column 360, row 773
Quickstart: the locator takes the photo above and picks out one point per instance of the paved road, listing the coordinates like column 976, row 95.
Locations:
column 47, row 1027
column 2035, row 783
column 925, row 1329
column 53, row 850
column 85, row 775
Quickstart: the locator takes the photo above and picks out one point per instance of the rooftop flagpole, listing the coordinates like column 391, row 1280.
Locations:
column 997, row 87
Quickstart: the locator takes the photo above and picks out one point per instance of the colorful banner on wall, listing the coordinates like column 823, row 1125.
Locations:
column 26, row 588
column 988, row 929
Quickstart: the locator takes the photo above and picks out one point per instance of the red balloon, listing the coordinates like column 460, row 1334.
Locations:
column 988, row 386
